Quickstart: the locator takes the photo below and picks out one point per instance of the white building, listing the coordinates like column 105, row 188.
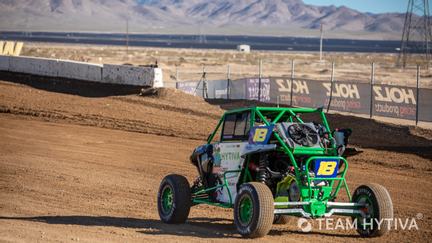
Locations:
column 243, row 48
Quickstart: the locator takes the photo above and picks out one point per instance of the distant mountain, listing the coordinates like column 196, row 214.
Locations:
column 148, row 15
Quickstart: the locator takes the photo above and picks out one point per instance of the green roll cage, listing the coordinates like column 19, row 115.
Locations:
column 316, row 201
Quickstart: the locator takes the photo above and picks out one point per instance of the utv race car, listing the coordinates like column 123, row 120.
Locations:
column 269, row 164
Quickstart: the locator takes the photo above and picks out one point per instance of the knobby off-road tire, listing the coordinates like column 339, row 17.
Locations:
column 380, row 208
column 174, row 199
column 254, row 210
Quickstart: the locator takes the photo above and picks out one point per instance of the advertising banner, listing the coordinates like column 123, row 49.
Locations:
column 346, row 96
column 189, row 87
column 237, row 89
column 352, row 96
column 253, row 89
column 394, row 101
column 425, row 105
column 281, row 88
column 217, row 89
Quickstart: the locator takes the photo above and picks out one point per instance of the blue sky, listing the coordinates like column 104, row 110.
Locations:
column 373, row 6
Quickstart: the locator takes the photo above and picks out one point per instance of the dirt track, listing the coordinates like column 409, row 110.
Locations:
column 63, row 178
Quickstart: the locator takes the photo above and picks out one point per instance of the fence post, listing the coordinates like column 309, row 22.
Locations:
column 418, row 94
column 228, row 81
column 204, row 85
column 331, row 86
column 372, row 82
column 292, row 82
column 259, row 80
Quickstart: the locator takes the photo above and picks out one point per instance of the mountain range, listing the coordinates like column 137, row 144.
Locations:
column 199, row 16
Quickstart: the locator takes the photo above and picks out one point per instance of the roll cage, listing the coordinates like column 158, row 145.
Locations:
column 270, row 116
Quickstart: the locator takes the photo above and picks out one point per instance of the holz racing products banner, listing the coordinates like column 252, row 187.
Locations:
column 387, row 100
column 346, row 96
column 394, row 101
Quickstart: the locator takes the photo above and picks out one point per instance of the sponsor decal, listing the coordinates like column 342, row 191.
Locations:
column 394, row 94
column 344, row 104
column 253, row 89
column 331, row 224
column 260, row 134
column 342, row 90
column 230, row 156
column 299, row 86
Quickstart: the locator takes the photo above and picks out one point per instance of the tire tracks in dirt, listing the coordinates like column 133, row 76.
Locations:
column 101, row 121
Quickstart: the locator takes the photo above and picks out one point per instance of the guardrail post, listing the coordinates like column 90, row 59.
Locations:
column 259, row 80
column 292, row 82
column 372, row 82
column 331, row 86
column 417, row 94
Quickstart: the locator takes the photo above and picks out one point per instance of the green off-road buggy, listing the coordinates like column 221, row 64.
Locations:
column 269, row 164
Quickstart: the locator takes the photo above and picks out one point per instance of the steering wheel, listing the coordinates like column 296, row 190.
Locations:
column 303, row 134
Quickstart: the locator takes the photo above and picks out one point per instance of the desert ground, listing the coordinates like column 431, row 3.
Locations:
column 83, row 161
column 187, row 64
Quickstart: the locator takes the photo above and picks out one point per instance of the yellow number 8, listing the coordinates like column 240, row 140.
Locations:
column 327, row 168
column 260, row 135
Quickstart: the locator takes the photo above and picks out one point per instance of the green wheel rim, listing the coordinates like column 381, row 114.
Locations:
column 245, row 210
column 167, row 199
column 370, row 209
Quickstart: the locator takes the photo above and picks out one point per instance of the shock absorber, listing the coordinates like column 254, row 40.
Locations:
column 262, row 171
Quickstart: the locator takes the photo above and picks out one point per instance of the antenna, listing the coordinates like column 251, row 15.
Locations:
column 417, row 34
column 127, row 35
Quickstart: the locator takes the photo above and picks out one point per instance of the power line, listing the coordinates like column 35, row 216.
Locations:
column 417, row 34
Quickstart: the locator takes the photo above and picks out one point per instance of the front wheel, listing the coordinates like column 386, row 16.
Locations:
column 174, row 199
column 254, row 210
column 378, row 210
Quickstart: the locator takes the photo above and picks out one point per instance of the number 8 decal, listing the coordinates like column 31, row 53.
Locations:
column 260, row 135
column 327, row 168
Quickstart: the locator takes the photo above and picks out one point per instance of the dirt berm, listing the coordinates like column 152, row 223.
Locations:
column 82, row 162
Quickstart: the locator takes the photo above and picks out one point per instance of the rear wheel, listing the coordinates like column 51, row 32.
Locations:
column 174, row 199
column 254, row 210
column 378, row 208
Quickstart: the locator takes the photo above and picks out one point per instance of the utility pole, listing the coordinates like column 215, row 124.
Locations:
column 417, row 33
column 202, row 39
column 127, row 35
column 321, row 40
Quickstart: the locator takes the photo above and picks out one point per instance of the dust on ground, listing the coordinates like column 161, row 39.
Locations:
column 83, row 162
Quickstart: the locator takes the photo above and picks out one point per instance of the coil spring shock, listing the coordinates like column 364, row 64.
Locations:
column 262, row 171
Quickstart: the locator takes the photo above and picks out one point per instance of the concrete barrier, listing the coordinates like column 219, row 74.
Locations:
column 4, row 63
column 36, row 66
column 158, row 78
column 122, row 74
column 80, row 70
column 107, row 73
